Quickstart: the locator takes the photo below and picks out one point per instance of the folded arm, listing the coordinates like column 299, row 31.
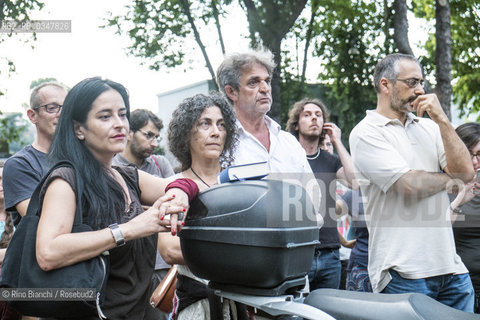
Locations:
column 458, row 158
column 421, row 184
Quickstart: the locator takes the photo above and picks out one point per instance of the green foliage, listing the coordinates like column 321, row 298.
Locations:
column 12, row 128
column 348, row 37
column 465, row 30
column 18, row 10
column 160, row 30
column 467, row 96
column 38, row 82
column 348, row 42
column 160, row 150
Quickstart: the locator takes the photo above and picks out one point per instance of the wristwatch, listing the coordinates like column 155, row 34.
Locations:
column 457, row 210
column 117, row 234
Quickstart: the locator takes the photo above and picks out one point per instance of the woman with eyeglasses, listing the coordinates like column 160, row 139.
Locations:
column 465, row 208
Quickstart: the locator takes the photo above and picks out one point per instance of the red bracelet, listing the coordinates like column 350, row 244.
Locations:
column 186, row 185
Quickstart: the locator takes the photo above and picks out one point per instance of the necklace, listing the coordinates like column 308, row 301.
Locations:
column 313, row 157
column 199, row 177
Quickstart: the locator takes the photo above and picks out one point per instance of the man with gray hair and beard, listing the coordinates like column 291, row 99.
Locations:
column 406, row 162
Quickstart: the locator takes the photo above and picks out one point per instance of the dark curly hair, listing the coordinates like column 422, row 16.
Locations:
column 184, row 119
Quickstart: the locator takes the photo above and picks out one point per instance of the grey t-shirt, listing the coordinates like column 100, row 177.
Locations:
column 21, row 174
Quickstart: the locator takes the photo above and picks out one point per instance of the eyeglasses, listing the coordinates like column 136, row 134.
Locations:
column 475, row 155
column 150, row 136
column 411, row 82
column 50, row 107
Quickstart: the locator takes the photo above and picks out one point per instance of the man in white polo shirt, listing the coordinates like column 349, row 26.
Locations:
column 406, row 162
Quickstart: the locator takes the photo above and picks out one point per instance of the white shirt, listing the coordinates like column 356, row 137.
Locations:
column 412, row 236
column 286, row 159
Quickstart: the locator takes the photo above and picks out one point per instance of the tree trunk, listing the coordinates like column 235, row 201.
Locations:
column 276, row 111
column 272, row 23
column 387, row 12
column 400, row 22
column 2, row 4
column 400, row 34
column 186, row 9
column 308, row 39
column 443, row 59
column 217, row 24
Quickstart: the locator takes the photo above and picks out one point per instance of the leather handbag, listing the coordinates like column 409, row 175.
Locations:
column 20, row 269
column 162, row 297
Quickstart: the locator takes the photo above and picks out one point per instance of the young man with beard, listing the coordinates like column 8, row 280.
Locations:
column 24, row 170
column 308, row 123
column 406, row 162
column 142, row 140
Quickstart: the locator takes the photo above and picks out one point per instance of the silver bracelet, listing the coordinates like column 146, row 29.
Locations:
column 117, row 234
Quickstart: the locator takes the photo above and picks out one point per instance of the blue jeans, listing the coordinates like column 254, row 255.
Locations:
column 326, row 269
column 455, row 291
column 358, row 280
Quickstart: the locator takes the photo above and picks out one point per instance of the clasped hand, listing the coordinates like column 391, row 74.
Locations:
column 166, row 214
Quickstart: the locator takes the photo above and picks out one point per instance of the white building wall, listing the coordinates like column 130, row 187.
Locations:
column 168, row 101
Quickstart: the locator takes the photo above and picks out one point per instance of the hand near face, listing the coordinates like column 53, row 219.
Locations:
column 429, row 103
column 333, row 131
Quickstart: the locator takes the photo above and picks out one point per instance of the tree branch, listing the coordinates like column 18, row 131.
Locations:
column 288, row 23
column 186, row 9
column 400, row 34
column 443, row 57
column 308, row 38
column 217, row 23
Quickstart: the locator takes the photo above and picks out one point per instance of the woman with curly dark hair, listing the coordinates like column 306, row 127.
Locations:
column 202, row 135
column 185, row 119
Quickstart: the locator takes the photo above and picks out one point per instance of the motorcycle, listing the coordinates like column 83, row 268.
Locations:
column 329, row 304
column 254, row 240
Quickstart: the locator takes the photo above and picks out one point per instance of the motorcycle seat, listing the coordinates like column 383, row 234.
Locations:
column 347, row 305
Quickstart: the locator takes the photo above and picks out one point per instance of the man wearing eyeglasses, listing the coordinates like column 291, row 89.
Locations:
column 405, row 163
column 24, row 170
column 142, row 140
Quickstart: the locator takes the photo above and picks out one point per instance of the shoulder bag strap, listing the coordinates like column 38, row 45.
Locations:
column 160, row 170
column 34, row 204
